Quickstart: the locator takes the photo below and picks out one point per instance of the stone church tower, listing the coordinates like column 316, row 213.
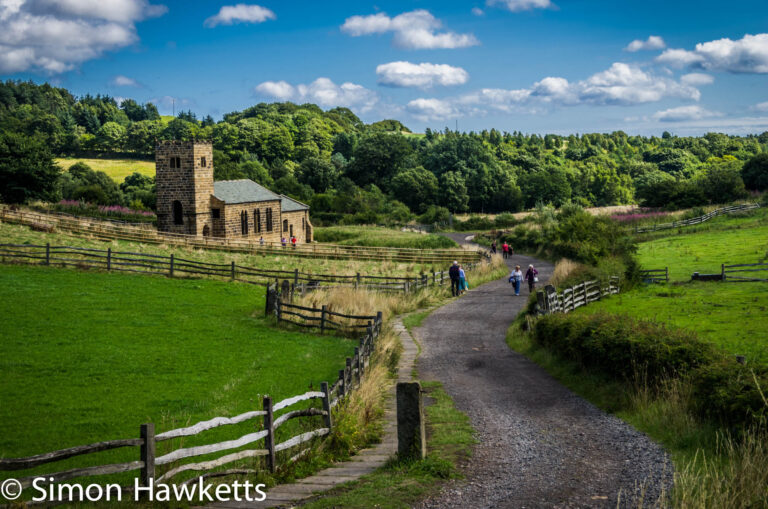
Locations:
column 184, row 181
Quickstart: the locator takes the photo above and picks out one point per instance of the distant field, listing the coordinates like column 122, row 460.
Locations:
column 726, row 239
column 118, row 169
column 374, row 236
column 89, row 356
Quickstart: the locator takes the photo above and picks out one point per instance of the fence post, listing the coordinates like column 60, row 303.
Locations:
column 322, row 319
column 233, row 270
column 147, row 434
column 295, row 276
column 361, row 361
column 666, row 274
column 342, row 384
column 269, row 440
column 170, row 271
column 48, row 253
column 722, row 272
column 411, row 436
column 541, row 302
column 434, row 278
column 278, row 302
column 109, row 258
column 348, row 372
column 359, row 371
column 326, row 405
column 358, row 281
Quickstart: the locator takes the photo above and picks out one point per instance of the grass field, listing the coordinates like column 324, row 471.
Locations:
column 375, row 236
column 89, row 356
column 118, row 169
column 17, row 234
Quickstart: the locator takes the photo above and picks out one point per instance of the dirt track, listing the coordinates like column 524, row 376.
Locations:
column 540, row 445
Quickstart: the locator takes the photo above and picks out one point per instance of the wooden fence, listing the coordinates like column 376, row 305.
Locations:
column 744, row 272
column 549, row 301
column 130, row 232
column 349, row 378
column 697, row 220
column 655, row 275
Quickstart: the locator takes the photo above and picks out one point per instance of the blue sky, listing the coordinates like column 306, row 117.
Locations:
column 561, row 66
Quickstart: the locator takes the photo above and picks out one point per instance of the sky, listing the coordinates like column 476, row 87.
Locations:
column 535, row 66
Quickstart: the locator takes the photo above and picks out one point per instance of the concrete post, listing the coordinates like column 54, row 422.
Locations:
column 411, row 435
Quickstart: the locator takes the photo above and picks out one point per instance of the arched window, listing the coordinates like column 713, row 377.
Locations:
column 285, row 225
column 257, row 220
column 178, row 213
column 206, row 231
column 302, row 223
column 269, row 220
column 244, row 222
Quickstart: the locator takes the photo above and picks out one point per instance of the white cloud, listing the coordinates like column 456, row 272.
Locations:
column 685, row 113
column 424, row 75
column 653, row 42
column 240, row 13
column 746, row 55
column 627, row 84
column 322, row 91
column 125, row 81
column 55, row 36
column 522, row 5
column 477, row 11
column 697, row 79
column 760, row 106
column 412, row 30
column 431, row 109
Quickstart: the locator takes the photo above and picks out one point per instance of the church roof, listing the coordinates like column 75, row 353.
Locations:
column 291, row 205
column 242, row 191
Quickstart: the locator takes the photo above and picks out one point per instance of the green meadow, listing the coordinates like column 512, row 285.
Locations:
column 117, row 169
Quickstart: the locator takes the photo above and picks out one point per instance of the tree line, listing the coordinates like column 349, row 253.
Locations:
column 349, row 171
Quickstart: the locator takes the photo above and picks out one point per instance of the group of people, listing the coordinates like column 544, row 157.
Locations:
column 458, row 279
column 506, row 249
column 517, row 278
column 283, row 241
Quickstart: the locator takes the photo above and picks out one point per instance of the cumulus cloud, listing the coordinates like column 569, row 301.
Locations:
column 653, row 42
column 431, row 109
column 424, row 75
column 56, row 35
column 240, row 13
column 684, row 113
column 412, row 30
column 124, row 81
column 621, row 84
column 522, row 5
column 746, row 55
column 322, row 91
column 697, row 79
column 760, row 106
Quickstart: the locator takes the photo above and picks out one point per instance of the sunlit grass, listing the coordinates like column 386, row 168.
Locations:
column 117, row 169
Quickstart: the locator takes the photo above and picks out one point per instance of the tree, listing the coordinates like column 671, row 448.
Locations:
column 27, row 169
column 548, row 186
column 453, row 192
column 318, row 173
column 111, row 137
column 416, row 187
column 721, row 182
column 378, row 157
column 755, row 172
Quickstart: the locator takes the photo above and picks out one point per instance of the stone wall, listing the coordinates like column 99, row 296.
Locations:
column 231, row 224
column 190, row 183
column 297, row 222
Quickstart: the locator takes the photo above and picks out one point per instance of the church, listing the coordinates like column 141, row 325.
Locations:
column 190, row 202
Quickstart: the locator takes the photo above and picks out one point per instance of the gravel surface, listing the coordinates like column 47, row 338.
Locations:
column 540, row 445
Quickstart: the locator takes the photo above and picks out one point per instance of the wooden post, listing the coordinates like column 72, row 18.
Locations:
column 170, row 273
column 357, row 358
column 269, row 440
column 541, row 302
column 434, row 279
column 109, row 258
column 342, row 385
column 361, row 362
column 666, row 274
column 326, row 405
column 148, row 448
column 295, row 276
column 48, row 253
column 411, row 436
column 358, row 280
column 322, row 318
column 277, row 308
column 722, row 271
column 233, row 269
column 348, row 372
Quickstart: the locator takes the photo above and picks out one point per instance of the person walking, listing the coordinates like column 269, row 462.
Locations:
column 462, row 280
column 505, row 249
column 493, row 247
column 516, row 278
column 293, row 240
column 532, row 276
column 454, row 274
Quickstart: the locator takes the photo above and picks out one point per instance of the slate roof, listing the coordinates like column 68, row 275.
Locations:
column 242, row 191
column 291, row 205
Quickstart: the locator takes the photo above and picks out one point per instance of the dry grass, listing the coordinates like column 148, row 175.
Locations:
column 564, row 269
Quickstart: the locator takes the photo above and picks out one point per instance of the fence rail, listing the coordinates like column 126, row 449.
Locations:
column 744, row 272
column 549, row 301
column 655, row 275
column 113, row 231
column 328, row 396
column 698, row 220
column 171, row 266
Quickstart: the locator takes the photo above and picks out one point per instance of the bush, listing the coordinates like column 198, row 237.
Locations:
column 632, row 350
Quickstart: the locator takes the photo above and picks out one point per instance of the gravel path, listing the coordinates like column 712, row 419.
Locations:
column 540, row 445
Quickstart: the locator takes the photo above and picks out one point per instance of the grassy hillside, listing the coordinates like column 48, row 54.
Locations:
column 374, row 236
column 89, row 356
column 118, row 169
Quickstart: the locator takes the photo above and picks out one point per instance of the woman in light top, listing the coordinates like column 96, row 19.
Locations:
column 462, row 280
column 516, row 278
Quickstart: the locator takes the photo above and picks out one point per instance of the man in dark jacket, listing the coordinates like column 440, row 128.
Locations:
column 453, row 272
